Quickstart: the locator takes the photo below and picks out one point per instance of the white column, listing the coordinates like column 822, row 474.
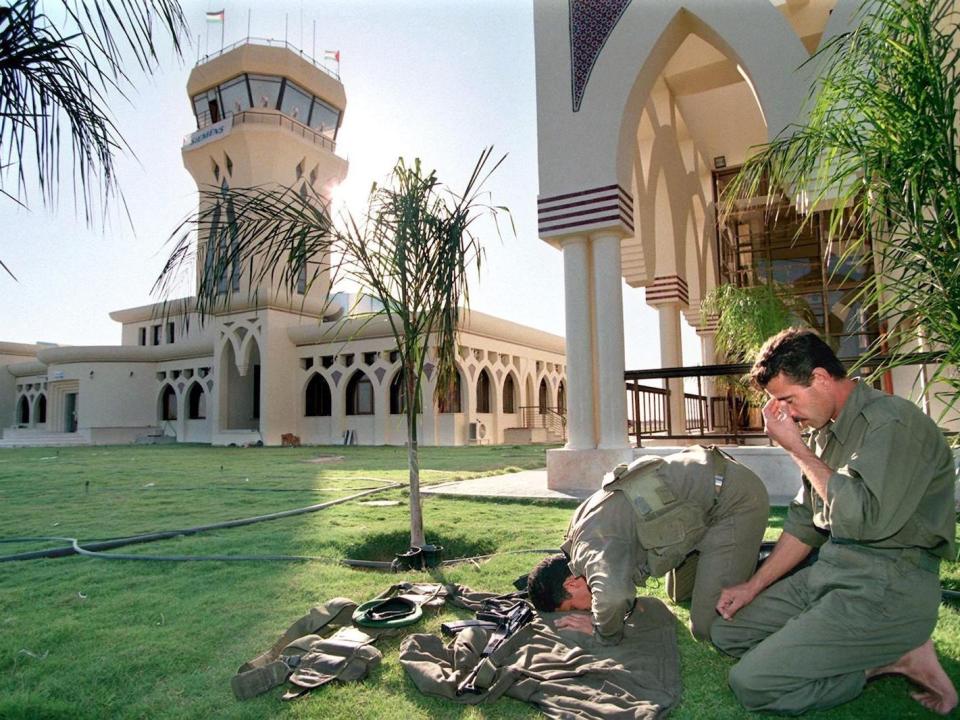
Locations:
column 579, row 345
column 671, row 355
column 608, row 324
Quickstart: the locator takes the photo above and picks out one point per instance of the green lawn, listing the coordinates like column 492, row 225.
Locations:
column 91, row 638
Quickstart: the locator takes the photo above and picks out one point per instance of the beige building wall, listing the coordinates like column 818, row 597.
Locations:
column 13, row 354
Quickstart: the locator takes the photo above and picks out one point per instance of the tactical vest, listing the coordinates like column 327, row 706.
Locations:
column 668, row 527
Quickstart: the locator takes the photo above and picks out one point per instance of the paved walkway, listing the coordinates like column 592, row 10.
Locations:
column 526, row 485
column 532, row 485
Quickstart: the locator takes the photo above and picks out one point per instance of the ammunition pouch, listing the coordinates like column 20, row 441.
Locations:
column 668, row 527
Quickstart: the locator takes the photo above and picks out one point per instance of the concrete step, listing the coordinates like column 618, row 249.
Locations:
column 17, row 437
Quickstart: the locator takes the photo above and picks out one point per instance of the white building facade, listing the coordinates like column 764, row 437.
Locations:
column 269, row 362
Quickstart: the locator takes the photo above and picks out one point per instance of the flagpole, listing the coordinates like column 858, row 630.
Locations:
column 248, row 23
column 223, row 26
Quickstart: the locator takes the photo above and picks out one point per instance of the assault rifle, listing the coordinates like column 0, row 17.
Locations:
column 508, row 623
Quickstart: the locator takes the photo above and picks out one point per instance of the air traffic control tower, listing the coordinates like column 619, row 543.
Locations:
column 266, row 116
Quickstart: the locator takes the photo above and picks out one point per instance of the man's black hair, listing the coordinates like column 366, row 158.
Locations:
column 795, row 352
column 545, row 582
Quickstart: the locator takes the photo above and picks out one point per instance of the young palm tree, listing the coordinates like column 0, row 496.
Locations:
column 57, row 70
column 879, row 148
column 412, row 252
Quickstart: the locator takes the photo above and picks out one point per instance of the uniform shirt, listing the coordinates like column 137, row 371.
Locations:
column 893, row 480
column 603, row 545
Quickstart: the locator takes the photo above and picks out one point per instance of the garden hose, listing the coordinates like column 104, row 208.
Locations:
column 96, row 549
column 100, row 545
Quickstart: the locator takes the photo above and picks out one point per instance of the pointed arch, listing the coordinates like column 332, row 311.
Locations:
column 196, row 402
column 766, row 66
column 23, row 410
column 562, row 398
column 40, row 409
column 510, row 394
column 398, row 394
column 484, row 391
column 543, row 396
column 318, row 401
column 452, row 400
column 167, row 403
column 359, row 394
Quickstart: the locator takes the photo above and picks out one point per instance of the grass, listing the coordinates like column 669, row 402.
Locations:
column 88, row 638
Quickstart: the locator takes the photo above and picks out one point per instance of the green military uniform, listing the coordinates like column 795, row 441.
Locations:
column 650, row 515
column 873, row 594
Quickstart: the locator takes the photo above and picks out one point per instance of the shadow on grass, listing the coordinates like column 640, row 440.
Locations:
column 386, row 545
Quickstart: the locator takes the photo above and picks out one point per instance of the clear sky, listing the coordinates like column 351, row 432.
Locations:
column 434, row 80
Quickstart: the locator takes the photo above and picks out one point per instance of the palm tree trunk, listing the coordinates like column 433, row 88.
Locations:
column 413, row 460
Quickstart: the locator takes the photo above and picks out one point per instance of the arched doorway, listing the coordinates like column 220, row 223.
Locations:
column 168, row 404
column 240, row 394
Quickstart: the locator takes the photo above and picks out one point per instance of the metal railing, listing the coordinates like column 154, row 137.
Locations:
column 269, row 42
column 266, row 117
column 727, row 413
column 717, row 416
column 550, row 418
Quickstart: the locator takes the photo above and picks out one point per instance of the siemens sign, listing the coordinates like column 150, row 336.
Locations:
column 209, row 133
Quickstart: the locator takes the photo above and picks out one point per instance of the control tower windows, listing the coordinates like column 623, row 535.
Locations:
column 296, row 103
column 235, row 95
column 324, row 118
column 265, row 91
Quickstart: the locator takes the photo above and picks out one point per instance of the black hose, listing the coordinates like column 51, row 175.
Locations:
column 74, row 547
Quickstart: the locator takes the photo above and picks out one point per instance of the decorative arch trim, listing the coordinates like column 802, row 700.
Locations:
column 590, row 26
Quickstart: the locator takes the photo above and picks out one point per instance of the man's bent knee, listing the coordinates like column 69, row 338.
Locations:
column 750, row 689
column 726, row 637
column 701, row 626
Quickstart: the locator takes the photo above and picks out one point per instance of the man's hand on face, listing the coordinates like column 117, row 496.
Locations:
column 734, row 598
column 581, row 622
column 779, row 426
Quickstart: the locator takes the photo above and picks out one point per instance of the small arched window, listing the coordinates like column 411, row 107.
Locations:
column 483, row 392
column 168, row 404
column 509, row 395
column 23, row 411
column 398, row 396
column 544, row 397
column 360, row 395
column 449, row 402
column 197, row 402
column 317, row 399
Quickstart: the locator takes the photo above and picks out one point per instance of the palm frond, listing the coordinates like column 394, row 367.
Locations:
column 60, row 75
column 879, row 144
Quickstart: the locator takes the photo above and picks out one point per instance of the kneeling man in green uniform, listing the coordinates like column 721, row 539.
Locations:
column 698, row 510
column 877, row 500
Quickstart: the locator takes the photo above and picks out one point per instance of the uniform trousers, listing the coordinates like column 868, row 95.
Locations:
column 806, row 642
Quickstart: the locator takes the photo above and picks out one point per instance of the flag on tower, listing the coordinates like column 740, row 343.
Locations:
column 332, row 55
column 215, row 17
